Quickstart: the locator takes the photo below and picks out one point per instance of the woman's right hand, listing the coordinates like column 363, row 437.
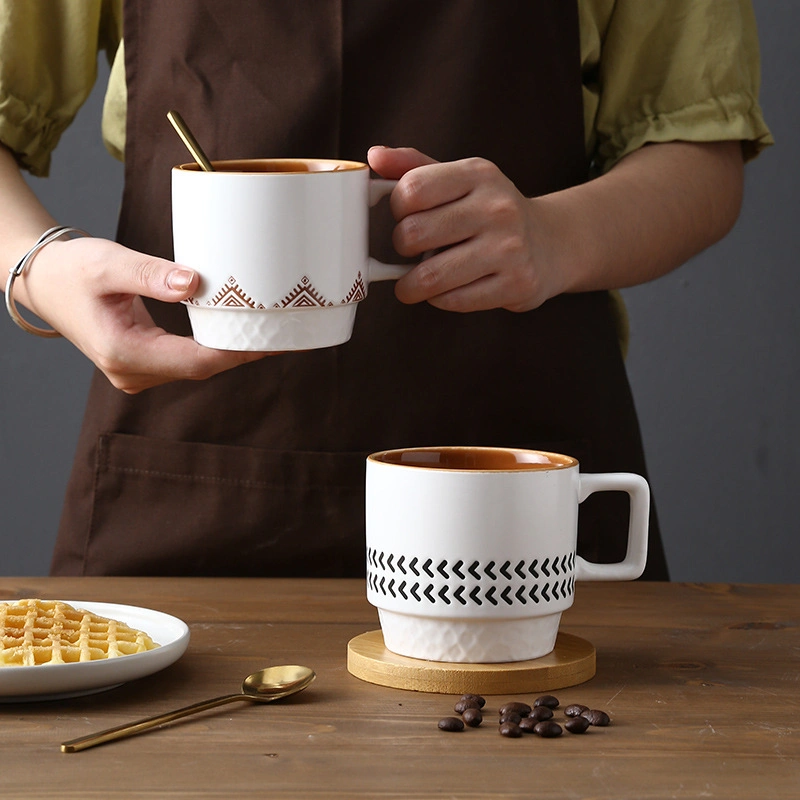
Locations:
column 90, row 291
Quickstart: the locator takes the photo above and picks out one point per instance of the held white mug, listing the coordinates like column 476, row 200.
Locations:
column 471, row 551
column 281, row 246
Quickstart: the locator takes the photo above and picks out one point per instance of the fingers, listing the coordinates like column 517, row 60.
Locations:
column 70, row 274
column 490, row 247
column 480, row 295
column 465, row 278
column 444, row 204
column 421, row 189
column 440, row 226
column 91, row 291
column 479, row 227
column 394, row 162
column 117, row 269
column 159, row 358
column 437, row 185
column 136, row 355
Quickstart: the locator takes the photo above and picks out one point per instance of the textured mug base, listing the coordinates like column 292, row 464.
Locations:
column 475, row 641
column 271, row 330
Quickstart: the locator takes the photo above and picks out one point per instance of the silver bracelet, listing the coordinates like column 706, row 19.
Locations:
column 17, row 270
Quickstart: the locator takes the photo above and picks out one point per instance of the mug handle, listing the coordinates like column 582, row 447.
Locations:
column 378, row 271
column 636, row 556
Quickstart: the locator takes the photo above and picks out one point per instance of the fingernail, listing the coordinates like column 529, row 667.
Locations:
column 179, row 279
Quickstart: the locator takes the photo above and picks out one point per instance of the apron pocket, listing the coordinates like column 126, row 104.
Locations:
column 183, row 508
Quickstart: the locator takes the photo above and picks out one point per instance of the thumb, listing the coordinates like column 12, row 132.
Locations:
column 394, row 162
column 158, row 278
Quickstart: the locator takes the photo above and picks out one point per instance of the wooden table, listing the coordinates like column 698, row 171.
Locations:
column 702, row 683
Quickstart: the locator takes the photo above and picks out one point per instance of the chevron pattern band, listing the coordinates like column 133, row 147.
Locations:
column 471, row 582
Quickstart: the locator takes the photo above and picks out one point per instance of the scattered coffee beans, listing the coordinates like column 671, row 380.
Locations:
column 548, row 729
column 546, row 700
column 577, row 724
column 481, row 701
column 575, row 710
column 510, row 729
column 598, row 718
column 463, row 704
column 527, row 724
column 523, row 709
column 473, row 717
column 451, row 724
column 541, row 713
column 517, row 717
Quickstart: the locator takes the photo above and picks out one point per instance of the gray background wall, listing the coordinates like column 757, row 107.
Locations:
column 713, row 362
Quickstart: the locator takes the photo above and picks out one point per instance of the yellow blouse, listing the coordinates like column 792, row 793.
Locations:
column 653, row 71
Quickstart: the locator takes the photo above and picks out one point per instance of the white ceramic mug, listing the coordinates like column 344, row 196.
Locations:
column 281, row 246
column 471, row 551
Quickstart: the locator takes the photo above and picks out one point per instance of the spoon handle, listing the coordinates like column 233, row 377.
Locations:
column 191, row 143
column 131, row 728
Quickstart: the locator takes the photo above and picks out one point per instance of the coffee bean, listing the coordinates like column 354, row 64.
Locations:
column 577, row 724
column 463, row 704
column 546, row 700
column 510, row 716
column 541, row 713
column 523, row 709
column 481, row 701
column 511, row 729
column 472, row 717
column 527, row 724
column 451, row 724
column 575, row 710
column 598, row 718
column 548, row 729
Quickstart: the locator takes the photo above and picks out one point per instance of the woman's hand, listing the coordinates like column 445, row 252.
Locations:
column 90, row 291
column 495, row 248
column 487, row 243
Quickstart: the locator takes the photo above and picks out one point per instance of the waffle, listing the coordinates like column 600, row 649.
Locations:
column 51, row 632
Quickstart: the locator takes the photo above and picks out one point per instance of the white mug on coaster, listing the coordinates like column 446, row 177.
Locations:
column 471, row 551
column 281, row 246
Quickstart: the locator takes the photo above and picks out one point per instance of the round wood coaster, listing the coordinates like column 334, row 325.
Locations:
column 571, row 662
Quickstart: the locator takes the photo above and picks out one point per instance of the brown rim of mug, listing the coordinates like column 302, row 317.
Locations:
column 493, row 459
column 285, row 166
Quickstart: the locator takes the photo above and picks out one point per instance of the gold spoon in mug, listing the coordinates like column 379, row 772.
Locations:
column 263, row 686
column 188, row 139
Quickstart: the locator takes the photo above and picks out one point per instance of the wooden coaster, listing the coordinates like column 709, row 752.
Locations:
column 571, row 662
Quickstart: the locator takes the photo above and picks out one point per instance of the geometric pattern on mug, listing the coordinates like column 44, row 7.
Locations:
column 304, row 295
column 543, row 580
column 358, row 291
column 477, row 595
column 231, row 295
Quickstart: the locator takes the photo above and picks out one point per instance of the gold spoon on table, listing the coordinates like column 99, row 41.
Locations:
column 263, row 686
column 188, row 139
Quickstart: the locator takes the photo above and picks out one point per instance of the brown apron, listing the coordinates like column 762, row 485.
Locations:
column 260, row 470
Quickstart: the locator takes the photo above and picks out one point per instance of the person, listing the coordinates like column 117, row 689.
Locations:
column 547, row 153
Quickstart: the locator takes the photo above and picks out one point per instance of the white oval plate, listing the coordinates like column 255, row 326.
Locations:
column 59, row 681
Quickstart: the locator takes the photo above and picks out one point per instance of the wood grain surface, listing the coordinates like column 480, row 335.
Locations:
column 702, row 684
